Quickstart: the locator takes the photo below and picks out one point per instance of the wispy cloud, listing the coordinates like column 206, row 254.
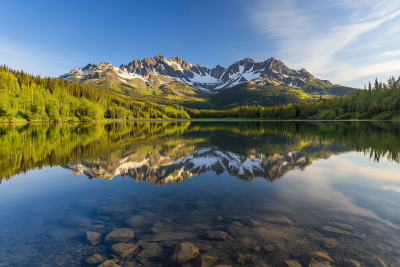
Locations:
column 391, row 53
column 315, row 36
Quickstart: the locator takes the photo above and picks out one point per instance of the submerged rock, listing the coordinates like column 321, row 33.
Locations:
column 150, row 250
column 328, row 242
column 136, row 221
column 269, row 248
column 247, row 259
column 123, row 249
column 95, row 259
column 234, row 230
column 279, row 220
column 92, row 237
column 109, row 263
column 122, row 235
column 205, row 261
column 334, row 232
column 167, row 236
column 216, row 235
column 183, row 253
column 320, row 256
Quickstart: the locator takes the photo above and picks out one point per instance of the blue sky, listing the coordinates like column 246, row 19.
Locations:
column 347, row 42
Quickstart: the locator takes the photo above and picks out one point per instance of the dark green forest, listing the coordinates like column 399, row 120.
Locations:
column 380, row 101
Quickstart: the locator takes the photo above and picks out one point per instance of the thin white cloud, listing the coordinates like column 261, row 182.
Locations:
column 391, row 188
column 391, row 53
column 306, row 39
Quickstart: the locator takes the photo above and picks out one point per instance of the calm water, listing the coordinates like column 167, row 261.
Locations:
column 244, row 193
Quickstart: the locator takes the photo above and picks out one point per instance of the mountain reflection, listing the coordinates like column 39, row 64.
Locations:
column 162, row 152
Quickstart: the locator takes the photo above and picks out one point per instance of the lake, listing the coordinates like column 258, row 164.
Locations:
column 200, row 194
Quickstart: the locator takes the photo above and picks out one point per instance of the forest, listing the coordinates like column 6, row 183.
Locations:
column 25, row 97
column 380, row 101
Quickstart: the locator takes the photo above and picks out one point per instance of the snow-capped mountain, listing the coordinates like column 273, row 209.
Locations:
column 158, row 70
column 165, row 169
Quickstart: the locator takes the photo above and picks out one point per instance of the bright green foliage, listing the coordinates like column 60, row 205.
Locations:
column 25, row 97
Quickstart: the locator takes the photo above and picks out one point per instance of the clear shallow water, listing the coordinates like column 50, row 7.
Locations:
column 314, row 193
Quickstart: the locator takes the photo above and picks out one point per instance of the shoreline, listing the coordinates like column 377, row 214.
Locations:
column 166, row 120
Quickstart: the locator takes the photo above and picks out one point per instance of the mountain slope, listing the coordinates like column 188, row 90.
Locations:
column 174, row 80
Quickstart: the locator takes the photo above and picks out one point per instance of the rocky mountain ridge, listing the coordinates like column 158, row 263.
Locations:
column 159, row 70
column 162, row 170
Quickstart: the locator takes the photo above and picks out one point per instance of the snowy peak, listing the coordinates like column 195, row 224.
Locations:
column 163, row 169
column 159, row 70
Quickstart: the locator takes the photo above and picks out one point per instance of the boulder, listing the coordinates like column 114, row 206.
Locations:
column 182, row 253
column 234, row 230
column 95, row 259
column 122, row 235
column 320, row 256
column 328, row 242
column 246, row 260
column 334, row 232
column 92, row 237
column 150, row 250
column 204, row 261
column 216, row 235
column 342, row 226
column 257, row 249
column 167, row 236
column 109, row 263
column 279, row 220
column 136, row 221
column 290, row 263
column 123, row 249
column 268, row 248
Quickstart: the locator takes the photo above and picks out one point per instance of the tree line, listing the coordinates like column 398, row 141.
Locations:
column 380, row 101
column 25, row 97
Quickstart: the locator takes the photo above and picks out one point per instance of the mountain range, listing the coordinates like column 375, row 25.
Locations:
column 159, row 79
